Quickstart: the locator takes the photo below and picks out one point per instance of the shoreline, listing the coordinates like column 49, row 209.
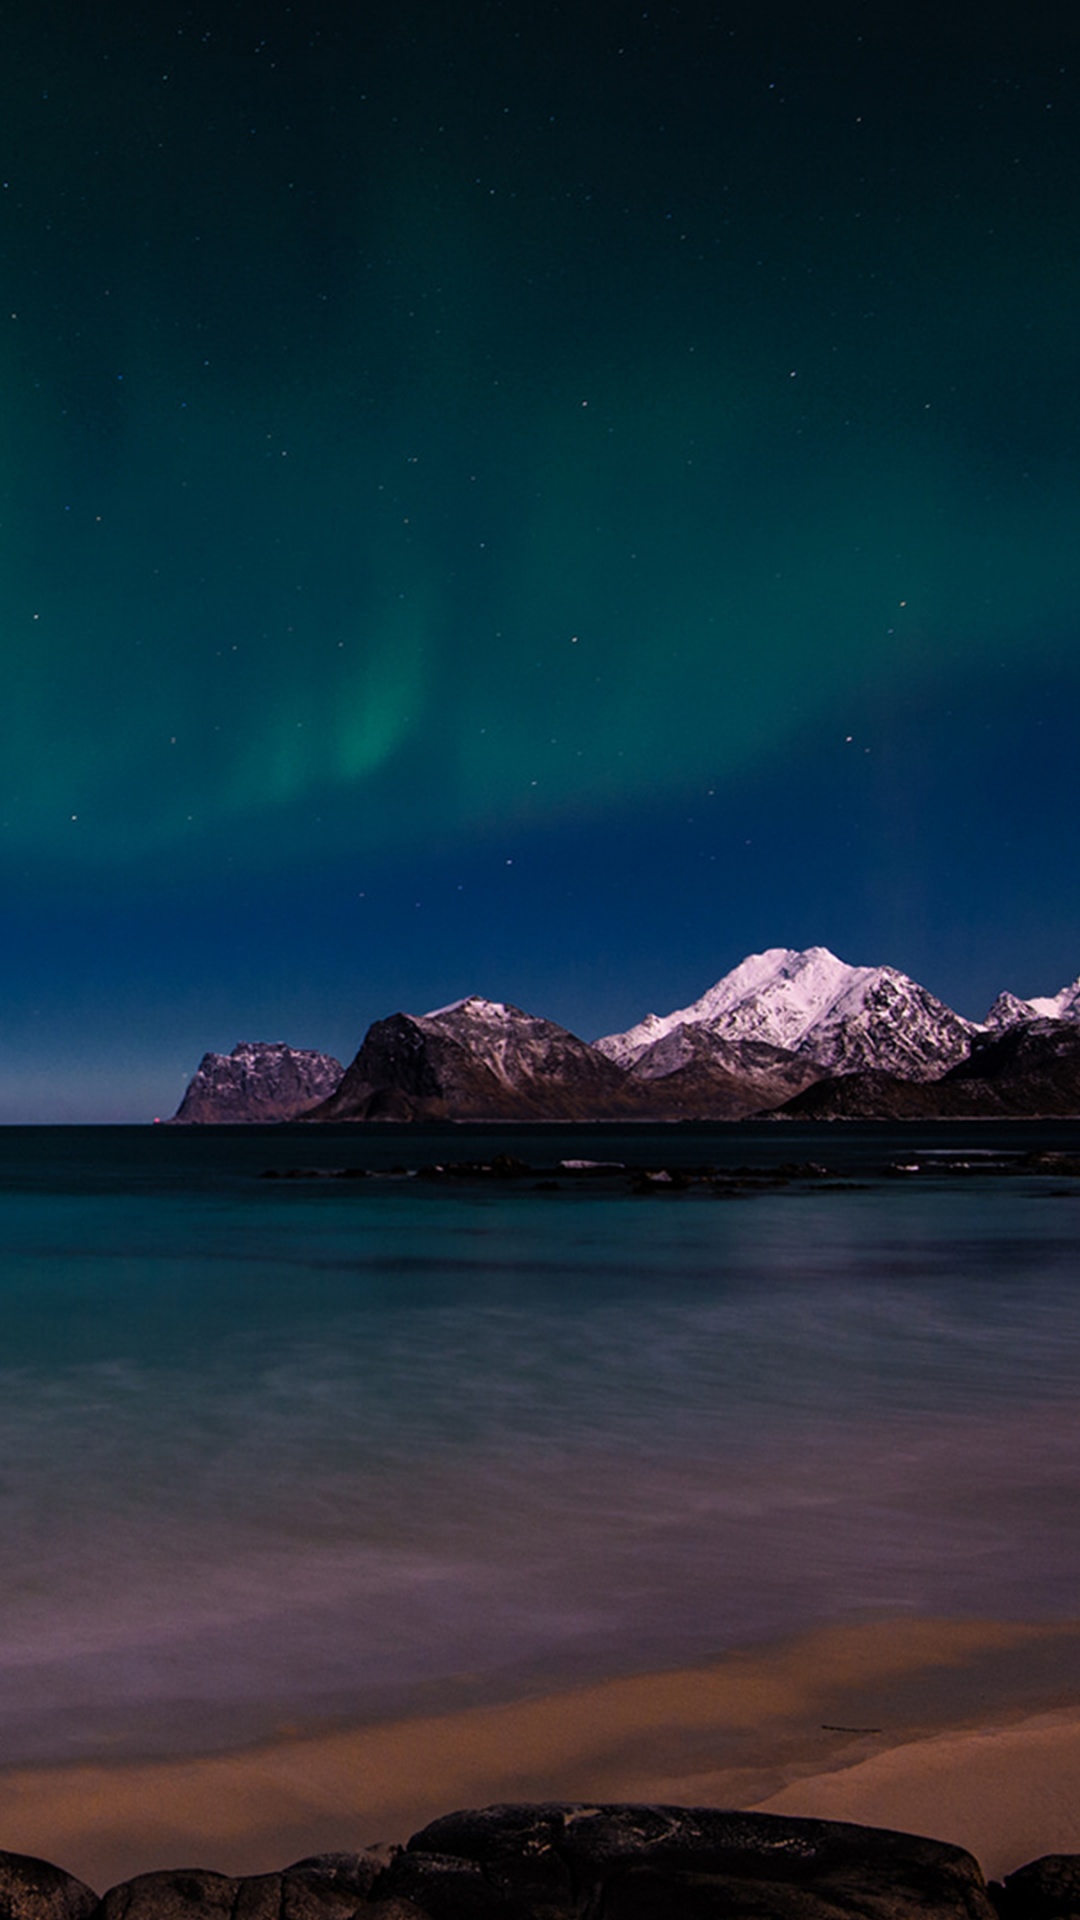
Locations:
column 965, row 1731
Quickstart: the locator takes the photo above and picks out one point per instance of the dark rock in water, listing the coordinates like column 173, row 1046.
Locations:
column 680, row 1863
column 1047, row 1889
column 33, row 1890
column 501, row 1166
column 257, row 1081
column 662, row 1180
column 1065, row 1165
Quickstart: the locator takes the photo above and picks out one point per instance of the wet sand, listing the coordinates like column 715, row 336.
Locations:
column 1008, row 1794
column 965, row 1730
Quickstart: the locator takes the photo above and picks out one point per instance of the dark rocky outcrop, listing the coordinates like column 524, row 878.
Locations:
column 1026, row 1072
column 33, row 1890
column 679, row 1863
column 695, row 1076
column 478, row 1061
column 1039, row 1060
column 567, row 1861
column 481, row 1060
column 867, row 1096
column 331, row 1886
column 258, row 1081
column 1047, row 1889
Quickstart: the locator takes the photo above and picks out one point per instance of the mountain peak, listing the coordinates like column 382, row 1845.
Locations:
column 474, row 1007
column 813, row 1004
column 1010, row 1011
column 477, row 1059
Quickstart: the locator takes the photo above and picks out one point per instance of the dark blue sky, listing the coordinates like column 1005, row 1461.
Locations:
column 529, row 500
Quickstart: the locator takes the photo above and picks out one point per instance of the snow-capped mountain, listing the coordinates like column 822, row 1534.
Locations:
column 841, row 1018
column 478, row 1060
column 777, row 1023
column 258, row 1080
column 1008, row 1011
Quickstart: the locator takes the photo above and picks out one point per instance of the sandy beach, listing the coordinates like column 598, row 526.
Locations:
column 968, row 1731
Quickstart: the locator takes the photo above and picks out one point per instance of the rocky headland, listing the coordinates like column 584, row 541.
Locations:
column 257, row 1081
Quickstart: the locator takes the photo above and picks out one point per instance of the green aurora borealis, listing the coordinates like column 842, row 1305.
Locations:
column 608, row 475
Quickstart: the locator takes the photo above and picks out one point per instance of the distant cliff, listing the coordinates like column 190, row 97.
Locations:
column 258, row 1080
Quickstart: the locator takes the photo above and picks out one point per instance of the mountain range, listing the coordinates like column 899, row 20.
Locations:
column 791, row 1033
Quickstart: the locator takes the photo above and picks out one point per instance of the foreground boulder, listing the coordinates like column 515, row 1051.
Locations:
column 565, row 1861
column 33, row 1890
column 330, row 1886
column 679, row 1863
column 1048, row 1889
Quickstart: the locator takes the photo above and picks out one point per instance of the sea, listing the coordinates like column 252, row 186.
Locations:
column 287, row 1453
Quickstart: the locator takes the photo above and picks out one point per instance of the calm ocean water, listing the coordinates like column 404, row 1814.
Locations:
column 277, row 1452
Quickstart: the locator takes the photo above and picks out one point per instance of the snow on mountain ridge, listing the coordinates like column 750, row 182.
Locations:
column 774, row 996
column 1010, row 1011
column 844, row 1018
column 1060, row 1006
column 475, row 1006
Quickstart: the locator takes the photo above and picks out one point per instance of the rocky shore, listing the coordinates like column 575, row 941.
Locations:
column 562, row 1861
column 719, row 1182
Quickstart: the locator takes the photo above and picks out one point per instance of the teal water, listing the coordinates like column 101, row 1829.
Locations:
column 306, row 1451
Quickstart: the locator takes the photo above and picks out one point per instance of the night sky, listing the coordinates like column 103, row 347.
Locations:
column 536, row 500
